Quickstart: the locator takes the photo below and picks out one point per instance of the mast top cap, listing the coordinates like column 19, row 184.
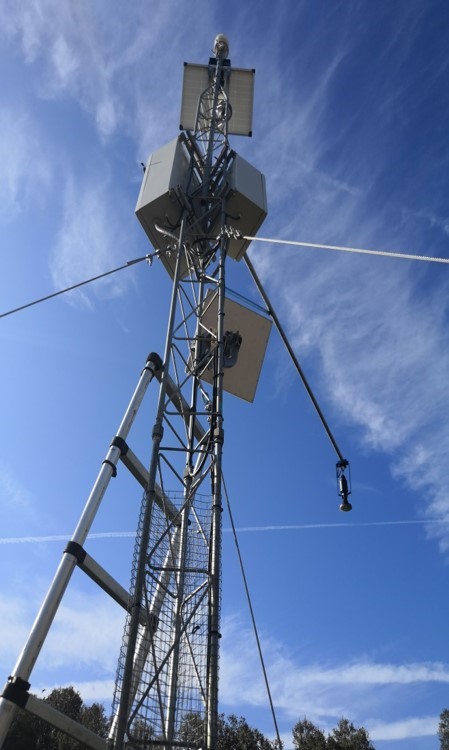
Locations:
column 221, row 46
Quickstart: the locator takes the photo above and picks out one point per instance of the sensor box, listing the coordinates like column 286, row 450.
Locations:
column 167, row 170
column 169, row 180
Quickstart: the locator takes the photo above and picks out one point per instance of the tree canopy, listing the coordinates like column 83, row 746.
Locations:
column 30, row 733
column 443, row 730
column 306, row 736
column 345, row 736
column 234, row 733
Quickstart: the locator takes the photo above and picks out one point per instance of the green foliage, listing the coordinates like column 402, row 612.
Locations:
column 306, row 736
column 443, row 730
column 345, row 736
column 192, row 729
column 29, row 733
column 236, row 734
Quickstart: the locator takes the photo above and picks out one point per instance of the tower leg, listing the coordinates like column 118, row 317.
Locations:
column 215, row 552
column 39, row 631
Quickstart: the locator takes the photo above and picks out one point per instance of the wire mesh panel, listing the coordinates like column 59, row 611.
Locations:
column 170, row 664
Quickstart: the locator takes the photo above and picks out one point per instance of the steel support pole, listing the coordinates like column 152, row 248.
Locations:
column 213, row 129
column 215, row 551
column 46, row 615
column 293, row 357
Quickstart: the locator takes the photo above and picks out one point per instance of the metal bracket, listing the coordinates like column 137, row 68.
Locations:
column 231, row 233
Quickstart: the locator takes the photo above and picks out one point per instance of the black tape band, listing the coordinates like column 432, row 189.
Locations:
column 16, row 691
column 75, row 549
column 121, row 444
column 155, row 361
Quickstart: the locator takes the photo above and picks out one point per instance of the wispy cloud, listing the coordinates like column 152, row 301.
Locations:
column 26, row 170
column 324, row 692
column 91, row 623
column 13, row 628
column 387, row 374
column 240, row 530
column 372, row 342
column 90, row 241
column 63, row 51
column 93, row 626
column 99, row 57
column 366, row 673
column 426, row 726
column 13, row 493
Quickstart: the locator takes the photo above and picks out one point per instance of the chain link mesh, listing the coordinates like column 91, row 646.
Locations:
column 169, row 688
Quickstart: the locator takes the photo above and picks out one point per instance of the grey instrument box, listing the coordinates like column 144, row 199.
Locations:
column 168, row 172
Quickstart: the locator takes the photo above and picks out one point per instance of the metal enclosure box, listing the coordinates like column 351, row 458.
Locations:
column 167, row 169
column 247, row 203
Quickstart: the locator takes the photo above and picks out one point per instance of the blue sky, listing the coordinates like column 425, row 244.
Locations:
column 350, row 130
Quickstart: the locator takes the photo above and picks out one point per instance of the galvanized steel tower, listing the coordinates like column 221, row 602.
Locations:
column 197, row 202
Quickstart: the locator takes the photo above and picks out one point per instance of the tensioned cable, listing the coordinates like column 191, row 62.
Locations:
column 383, row 253
column 76, row 286
column 363, row 251
column 253, row 619
column 293, row 357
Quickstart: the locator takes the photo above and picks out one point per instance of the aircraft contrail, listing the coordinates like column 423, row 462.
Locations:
column 240, row 530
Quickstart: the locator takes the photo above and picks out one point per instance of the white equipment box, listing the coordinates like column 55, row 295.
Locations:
column 168, row 171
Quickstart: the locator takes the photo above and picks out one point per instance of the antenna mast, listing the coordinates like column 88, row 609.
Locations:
column 199, row 204
column 166, row 692
column 167, row 682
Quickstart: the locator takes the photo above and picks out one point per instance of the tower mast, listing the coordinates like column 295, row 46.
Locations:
column 199, row 204
column 194, row 192
column 167, row 681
